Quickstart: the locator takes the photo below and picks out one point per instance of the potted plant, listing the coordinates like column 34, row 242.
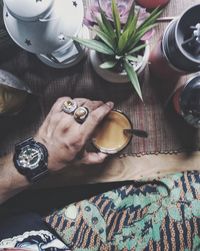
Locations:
column 118, row 52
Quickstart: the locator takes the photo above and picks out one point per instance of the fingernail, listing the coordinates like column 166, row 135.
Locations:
column 110, row 104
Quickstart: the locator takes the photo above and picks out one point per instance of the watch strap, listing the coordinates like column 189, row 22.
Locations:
column 35, row 176
column 19, row 145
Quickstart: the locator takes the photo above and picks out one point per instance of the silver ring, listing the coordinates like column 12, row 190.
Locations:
column 81, row 114
column 69, row 106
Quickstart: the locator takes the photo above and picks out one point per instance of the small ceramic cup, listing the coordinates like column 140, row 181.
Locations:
column 110, row 137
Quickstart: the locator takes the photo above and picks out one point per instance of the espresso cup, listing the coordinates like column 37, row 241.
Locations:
column 110, row 136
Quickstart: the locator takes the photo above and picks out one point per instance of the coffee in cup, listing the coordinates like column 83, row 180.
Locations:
column 110, row 136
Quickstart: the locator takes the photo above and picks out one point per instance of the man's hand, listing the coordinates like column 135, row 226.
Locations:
column 65, row 138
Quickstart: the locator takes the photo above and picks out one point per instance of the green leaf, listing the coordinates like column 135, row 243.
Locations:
column 102, row 27
column 138, row 36
column 147, row 25
column 132, row 29
column 133, row 78
column 95, row 45
column 138, row 48
column 141, row 33
column 131, row 16
column 107, row 25
column 122, row 41
column 116, row 18
column 108, row 64
column 105, row 38
column 151, row 19
column 132, row 58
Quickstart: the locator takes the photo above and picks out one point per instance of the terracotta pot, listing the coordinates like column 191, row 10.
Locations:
column 160, row 66
column 151, row 4
column 113, row 76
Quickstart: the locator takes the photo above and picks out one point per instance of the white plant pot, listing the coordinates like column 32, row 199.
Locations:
column 117, row 77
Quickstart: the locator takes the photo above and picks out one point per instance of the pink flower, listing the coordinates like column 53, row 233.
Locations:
column 142, row 16
column 123, row 8
column 93, row 12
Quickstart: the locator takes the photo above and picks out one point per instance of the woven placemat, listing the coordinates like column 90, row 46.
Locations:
column 168, row 133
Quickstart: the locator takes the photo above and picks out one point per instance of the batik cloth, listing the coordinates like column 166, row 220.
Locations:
column 162, row 215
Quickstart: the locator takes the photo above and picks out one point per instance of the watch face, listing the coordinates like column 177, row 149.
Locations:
column 29, row 157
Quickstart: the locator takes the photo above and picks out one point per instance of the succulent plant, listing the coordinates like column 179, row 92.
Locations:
column 121, row 43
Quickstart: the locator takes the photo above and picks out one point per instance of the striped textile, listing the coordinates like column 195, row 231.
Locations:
column 164, row 215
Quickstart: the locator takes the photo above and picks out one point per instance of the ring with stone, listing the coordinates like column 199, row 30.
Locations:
column 81, row 114
column 69, row 106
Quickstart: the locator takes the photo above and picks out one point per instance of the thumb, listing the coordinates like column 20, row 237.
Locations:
column 90, row 158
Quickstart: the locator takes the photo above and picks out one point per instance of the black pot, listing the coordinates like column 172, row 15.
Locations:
column 179, row 44
column 190, row 102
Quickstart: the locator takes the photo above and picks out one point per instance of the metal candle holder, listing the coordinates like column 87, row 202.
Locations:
column 45, row 27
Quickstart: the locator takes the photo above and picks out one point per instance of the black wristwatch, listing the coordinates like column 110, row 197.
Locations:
column 31, row 159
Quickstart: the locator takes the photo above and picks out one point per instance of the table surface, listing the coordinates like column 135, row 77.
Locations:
column 140, row 164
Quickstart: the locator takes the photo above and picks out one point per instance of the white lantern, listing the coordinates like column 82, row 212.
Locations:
column 44, row 27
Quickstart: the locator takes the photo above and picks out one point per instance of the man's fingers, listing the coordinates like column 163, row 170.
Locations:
column 91, row 158
column 95, row 117
column 92, row 105
column 80, row 101
column 57, row 109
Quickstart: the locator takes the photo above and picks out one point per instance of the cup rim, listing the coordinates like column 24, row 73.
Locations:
column 117, row 150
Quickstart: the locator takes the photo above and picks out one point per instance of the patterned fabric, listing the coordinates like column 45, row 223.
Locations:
column 160, row 216
column 27, row 231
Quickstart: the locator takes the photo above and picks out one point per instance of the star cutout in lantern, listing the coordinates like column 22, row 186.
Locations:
column 74, row 3
column 28, row 42
column 61, row 37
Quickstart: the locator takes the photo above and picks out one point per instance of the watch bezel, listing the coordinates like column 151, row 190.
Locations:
column 41, row 169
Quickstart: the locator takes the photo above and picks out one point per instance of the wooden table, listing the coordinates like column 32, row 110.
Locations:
column 129, row 167
column 135, row 168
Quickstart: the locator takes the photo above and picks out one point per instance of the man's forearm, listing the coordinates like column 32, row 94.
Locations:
column 11, row 181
